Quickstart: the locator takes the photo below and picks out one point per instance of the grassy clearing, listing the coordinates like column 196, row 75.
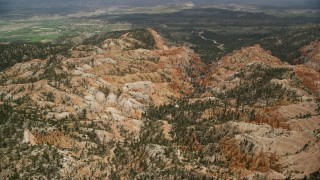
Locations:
column 30, row 31
column 4, row 23
column 49, row 30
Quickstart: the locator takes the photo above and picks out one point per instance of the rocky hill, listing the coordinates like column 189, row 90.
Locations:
column 311, row 55
column 135, row 107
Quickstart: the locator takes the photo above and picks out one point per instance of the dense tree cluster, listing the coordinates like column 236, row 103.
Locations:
column 45, row 163
column 145, row 37
column 286, row 43
column 256, row 86
column 99, row 38
column 13, row 53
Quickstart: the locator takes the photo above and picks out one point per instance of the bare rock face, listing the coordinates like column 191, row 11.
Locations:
column 223, row 75
column 136, row 107
column 126, row 80
column 105, row 90
column 280, row 140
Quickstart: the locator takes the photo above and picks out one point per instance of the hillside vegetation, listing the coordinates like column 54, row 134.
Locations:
column 130, row 105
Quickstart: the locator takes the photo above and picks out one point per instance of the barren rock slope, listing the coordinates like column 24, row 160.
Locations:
column 135, row 107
